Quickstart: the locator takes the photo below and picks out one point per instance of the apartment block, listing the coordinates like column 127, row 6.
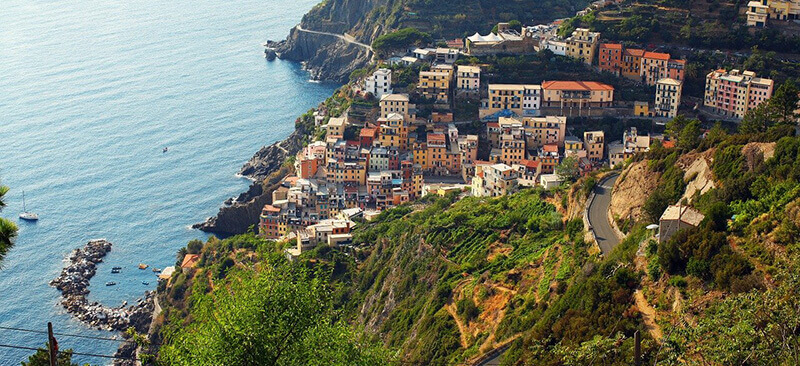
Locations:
column 540, row 131
column 435, row 84
column 576, row 98
column 582, row 45
column 499, row 179
column 632, row 63
column 733, row 93
column 379, row 83
column 610, row 58
column 511, row 99
column 594, row 144
column 398, row 103
column 668, row 98
column 656, row 66
column 757, row 13
column 784, row 9
column 468, row 79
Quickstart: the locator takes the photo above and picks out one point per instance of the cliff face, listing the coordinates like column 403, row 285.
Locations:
column 318, row 40
column 266, row 168
column 326, row 57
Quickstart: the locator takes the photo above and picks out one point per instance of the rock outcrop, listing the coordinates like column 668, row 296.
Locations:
column 266, row 169
column 631, row 191
column 74, row 282
column 325, row 57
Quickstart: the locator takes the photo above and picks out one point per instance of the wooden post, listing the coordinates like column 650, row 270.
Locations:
column 637, row 349
column 52, row 345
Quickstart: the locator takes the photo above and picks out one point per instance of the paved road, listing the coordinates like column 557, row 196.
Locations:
column 598, row 215
column 344, row 37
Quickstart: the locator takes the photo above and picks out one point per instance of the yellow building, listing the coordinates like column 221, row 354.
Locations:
column 540, row 131
column 398, row 103
column 641, row 109
column 435, row 84
column 594, row 144
column 520, row 99
column 784, row 9
column 582, row 45
column 394, row 132
column 336, row 127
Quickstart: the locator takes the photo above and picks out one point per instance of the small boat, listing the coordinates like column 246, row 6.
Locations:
column 111, row 283
column 25, row 215
column 115, row 270
column 145, row 283
column 142, row 266
column 165, row 149
column 156, row 270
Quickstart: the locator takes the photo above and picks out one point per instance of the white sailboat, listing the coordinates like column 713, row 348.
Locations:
column 25, row 215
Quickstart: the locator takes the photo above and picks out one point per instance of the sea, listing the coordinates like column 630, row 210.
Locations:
column 91, row 92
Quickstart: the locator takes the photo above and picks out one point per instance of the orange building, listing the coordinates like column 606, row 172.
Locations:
column 610, row 58
column 632, row 63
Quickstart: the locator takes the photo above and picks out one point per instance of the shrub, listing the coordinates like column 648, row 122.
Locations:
column 678, row 281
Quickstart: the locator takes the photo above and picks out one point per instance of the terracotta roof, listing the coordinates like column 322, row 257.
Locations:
column 678, row 61
column 368, row 132
column 530, row 164
column 615, row 46
column 493, row 124
column 550, row 148
column 575, row 85
column 668, row 144
column 634, row 52
column 270, row 208
column 190, row 260
column 436, row 137
column 657, row 55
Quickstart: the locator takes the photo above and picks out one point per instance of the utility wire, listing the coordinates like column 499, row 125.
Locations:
column 74, row 353
column 71, row 335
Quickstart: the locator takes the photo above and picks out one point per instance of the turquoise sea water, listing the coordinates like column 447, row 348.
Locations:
column 90, row 93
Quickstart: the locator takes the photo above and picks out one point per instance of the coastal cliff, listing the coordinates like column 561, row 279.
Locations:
column 266, row 168
column 332, row 39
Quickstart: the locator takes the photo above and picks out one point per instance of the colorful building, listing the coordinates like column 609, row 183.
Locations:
column 594, row 144
column 582, row 45
column 576, row 98
column 734, row 93
column 610, row 58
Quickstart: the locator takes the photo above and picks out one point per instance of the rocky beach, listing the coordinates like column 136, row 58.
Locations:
column 73, row 282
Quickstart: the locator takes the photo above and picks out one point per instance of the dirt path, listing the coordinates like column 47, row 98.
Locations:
column 648, row 315
column 462, row 330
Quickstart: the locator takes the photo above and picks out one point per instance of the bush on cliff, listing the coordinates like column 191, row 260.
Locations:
column 400, row 39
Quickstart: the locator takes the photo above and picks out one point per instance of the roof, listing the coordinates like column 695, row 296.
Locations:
column 491, row 37
column 436, row 137
column 685, row 214
column 576, row 85
column 501, row 167
column 634, row 52
column 657, row 55
column 190, row 260
column 337, row 121
column 395, row 97
column 669, row 81
column 530, row 164
column 613, row 46
column 465, row 68
column 368, row 132
column 270, row 208
column 550, row 148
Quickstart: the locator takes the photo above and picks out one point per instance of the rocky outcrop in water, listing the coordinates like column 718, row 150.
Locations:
column 73, row 282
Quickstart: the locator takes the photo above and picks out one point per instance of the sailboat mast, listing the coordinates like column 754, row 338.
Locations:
column 24, row 209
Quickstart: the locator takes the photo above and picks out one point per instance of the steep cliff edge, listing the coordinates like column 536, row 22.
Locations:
column 318, row 39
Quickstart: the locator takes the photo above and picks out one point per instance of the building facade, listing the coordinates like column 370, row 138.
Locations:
column 379, row 83
column 668, row 98
column 733, row 93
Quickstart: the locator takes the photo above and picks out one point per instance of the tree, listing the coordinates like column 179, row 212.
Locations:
column 568, row 169
column 8, row 230
column 280, row 315
column 42, row 358
column 757, row 120
column 784, row 103
column 689, row 137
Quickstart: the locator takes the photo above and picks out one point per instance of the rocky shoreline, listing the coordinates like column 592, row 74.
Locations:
column 265, row 168
column 73, row 282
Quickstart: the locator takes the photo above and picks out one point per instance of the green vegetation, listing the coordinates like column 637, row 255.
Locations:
column 42, row 358
column 400, row 39
column 261, row 311
column 8, row 230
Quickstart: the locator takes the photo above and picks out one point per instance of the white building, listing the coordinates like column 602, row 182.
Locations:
column 468, row 79
column 557, row 46
column 380, row 83
column 668, row 98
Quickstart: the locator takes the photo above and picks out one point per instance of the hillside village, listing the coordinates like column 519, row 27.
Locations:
column 372, row 158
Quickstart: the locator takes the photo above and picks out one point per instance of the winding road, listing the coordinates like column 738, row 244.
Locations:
column 598, row 215
column 344, row 37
